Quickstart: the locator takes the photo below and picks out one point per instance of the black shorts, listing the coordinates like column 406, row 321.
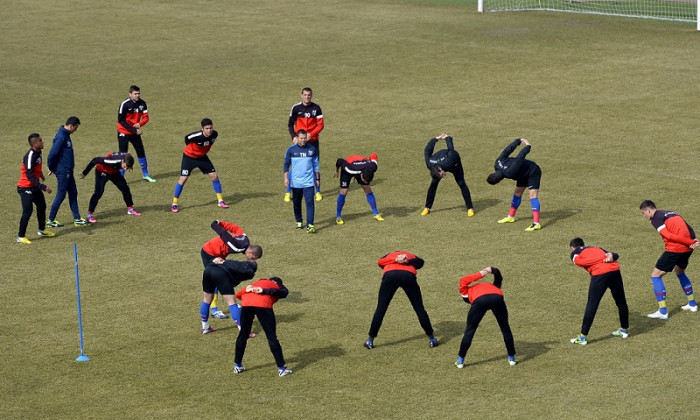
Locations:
column 215, row 277
column 190, row 163
column 669, row 260
column 531, row 181
column 346, row 178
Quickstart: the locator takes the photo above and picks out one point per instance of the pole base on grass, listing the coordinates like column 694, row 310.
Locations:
column 82, row 358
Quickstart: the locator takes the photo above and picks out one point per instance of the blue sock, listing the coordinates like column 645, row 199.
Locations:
column 217, row 186
column 515, row 202
column 340, row 204
column 511, row 357
column 372, row 203
column 204, row 311
column 144, row 165
column 289, row 190
column 178, row 190
column 235, row 313
column 687, row 288
column 660, row 293
column 460, row 360
column 535, row 203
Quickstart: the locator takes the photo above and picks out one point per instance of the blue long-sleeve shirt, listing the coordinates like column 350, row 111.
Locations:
column 302, row 165
column 61, row 158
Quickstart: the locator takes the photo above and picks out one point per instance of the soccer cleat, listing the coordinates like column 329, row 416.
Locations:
column 80, row 222
column 507, row 219
column 433, row 342
column 24, row 240
column 223, row 205
column 533, row 227
column 133, row 212
column 369, row 344
column 425, row 212
column 459, row 365
column 470, row 212
column 310, row 229
column 621, row 333
column 284, row 372
column 319, row 197
column 299, row 225
column 148, row 178
column 46, row 233
column 208, row 330
column 512, row 361
column 339, row 221
column 658, row 315
column 174, row 208
column 218, row 314
column 287, row 197
column 378, row 217
column 579, row 340
column 54, row 223
column 690, row 308
column 91, row 218
column 238, row 369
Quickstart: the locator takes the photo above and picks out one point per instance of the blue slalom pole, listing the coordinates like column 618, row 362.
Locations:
column 82, row 357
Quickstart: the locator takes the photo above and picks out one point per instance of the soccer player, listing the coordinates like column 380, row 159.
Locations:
column 195, row 156
column 108, row 168
column 307, row 116
column 680, row 242
column 484, row 297
column 301, row 174
column 132, row 116
column 257, row 300
column 31, row 190
column 526, row 174
column 231, row 239
column 399, row 270
column 223, row 275
column 605, row 274
column 61, row 161
column 362, row 169
column 441, row 162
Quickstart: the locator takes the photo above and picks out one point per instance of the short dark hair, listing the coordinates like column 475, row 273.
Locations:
column 435, row 172
column 206, row 121
column 368, row 175
column 307, row 89
column 134, row 88
column 33, row 136
column 277, row 280
column 494, row 178
column 129, row 160
column 256, row 250
column 73, row 121
column 576, row 243
column 302, row 131
column 647, row 204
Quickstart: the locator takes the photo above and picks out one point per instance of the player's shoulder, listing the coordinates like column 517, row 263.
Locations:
column 194, row 134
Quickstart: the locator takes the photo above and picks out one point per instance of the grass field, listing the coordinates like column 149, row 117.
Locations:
column 608, row 103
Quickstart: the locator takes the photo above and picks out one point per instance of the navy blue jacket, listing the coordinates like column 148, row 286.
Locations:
column 61, row 157
column 515, row 167
column 445, row 158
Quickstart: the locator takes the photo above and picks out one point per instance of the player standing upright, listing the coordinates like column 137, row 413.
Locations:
column 61, row 161
column 526, row 174
column 197, row 146
column 362, row 169
column 301, row 174
column 31, row 190
column 132, row 116
column 680, row 241
column 307, row 116
column 109, row 168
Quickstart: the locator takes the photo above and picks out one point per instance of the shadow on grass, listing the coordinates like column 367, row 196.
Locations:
column 552, row 217
column 479, row 205
column 285, row 318
column 642, row 324
column 296, row 297
column 525, row 351
column 447, row 330
column 315, row 354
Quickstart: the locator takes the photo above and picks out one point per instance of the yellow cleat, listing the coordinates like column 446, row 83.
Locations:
column 287, row 197
column 533, row 227
column 425, row 212
column 24, row 240
column 470, row 212
column 507, row 219
column 46, row 233
column 319, row 197
column 339, row 221
column 379, row 218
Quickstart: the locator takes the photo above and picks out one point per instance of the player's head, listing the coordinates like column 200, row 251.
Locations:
column 277, row 280
column 72, row 124
column 207, row 127
column 134, row 93
column 254, row 252
column 302, row 137
column 367, row 175
column 306, row 95
column 437, row 172
column 494, row 178
column 648, row 209
column 128, row 163
column 497, row 276
column 35, row 141
column 576, row 243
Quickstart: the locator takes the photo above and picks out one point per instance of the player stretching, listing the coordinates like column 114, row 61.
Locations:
column 362, row 169
column 680, row 242
column 197, row 146
column 108, row 169
column 526, row 174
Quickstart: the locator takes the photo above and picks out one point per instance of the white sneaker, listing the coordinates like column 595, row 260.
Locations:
column 284, row 372
column 690, row 308
column 238, row 369
column 621, row 333
column 658, row 315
